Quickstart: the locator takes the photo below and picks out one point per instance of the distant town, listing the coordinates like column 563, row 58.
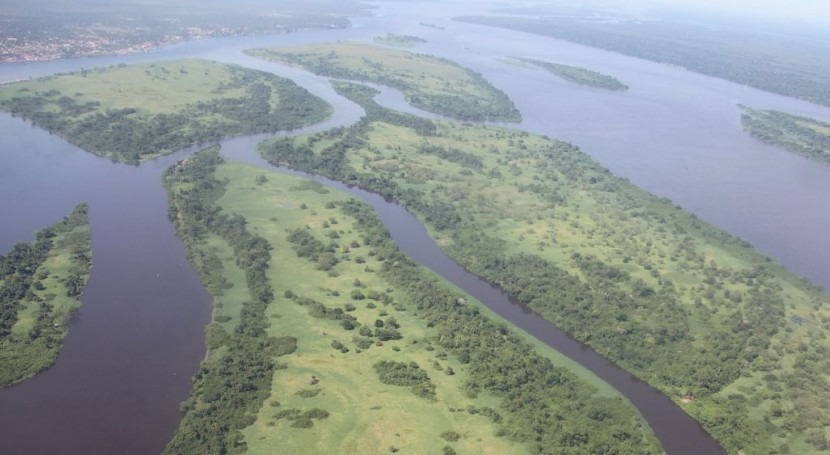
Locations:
column 87, row 43
column 54, row 34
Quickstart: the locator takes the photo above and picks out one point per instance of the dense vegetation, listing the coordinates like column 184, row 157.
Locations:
column 441, row 86
column 802, row 135
column 579, row 75
column 394, row 39
column 40, row 287
column 386, row 356
column 729, row 334
column 132, row 113
column 44, row 30
column 775, row 63
column 235, row 379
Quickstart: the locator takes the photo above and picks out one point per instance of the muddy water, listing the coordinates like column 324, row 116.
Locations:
column 128, row 359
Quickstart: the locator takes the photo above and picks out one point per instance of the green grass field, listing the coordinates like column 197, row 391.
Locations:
column 133, row 113
column 158, row 88
column 42, row 315
column 578, row 75
column 430, row 83
column 804, row 136
column 729, row 334
column 364, row 415
column 392, row 39
column 367, row 416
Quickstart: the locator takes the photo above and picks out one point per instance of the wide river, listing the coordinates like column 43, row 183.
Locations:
column 127, row 361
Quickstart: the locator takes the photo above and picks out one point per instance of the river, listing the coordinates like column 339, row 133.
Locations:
column 127, row 361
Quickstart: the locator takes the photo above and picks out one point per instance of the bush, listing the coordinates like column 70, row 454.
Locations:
column 450, row 436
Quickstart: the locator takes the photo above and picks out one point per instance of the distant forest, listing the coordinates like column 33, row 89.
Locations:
column 777, row 64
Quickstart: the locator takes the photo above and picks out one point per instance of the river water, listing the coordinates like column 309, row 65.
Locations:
column 127, row 361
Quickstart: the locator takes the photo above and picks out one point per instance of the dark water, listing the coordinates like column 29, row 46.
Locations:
column 138, row 337
column 127, row 362
column 679, row 433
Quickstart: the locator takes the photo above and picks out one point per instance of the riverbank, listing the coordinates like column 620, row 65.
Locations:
column 137, row 113
column 804, row 136
column 629, row 274
column 578, row 75
column 40, row 290
column 695, row 153
column 442, row 86
column 332, row 274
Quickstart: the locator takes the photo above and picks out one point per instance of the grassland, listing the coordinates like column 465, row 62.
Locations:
column 393, row 39
column 40, row 287
column 579, row 75
column 348, row 301
column 133, row 113
column 804, row 136
column 732, row 336
column 430, row 83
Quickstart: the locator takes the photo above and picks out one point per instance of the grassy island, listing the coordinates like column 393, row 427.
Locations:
column 40, row 287
column 429, row 83
column 801, row 135
column 325, row 339
column 579, row 75
column 732, row 336
column 134, row 113
column 393, row 39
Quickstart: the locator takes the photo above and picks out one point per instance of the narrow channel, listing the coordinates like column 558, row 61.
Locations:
column 679, row 433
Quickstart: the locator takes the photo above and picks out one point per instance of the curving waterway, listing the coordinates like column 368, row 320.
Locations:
column 677, row 432
column 127, row 361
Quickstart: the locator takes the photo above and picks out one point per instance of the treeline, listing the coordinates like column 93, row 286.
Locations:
column 600, row 309
column 364, row 96
column 545, row 406
column 400, row 40
column 331, row 161
column 492, row 105
column 579, row 75
column 323, row 256
column 270, row 103
column 802, row 135
column 724, row 325
column 780, row 65
column 542, row 405
column 229, row 389
column 406, row 375
column 26, row 281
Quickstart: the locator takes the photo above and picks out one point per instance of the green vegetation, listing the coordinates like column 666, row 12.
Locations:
column 337, row 383
column 802, row 135
column 40, row 287
column 406, row 374
column 43, row 29
column 578, row 75
column 772, row 62
column 732, row 336
column 430, row 83
column 393, row 39
column 133, row 113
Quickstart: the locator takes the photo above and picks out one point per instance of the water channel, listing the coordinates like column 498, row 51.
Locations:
column 129, row 356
